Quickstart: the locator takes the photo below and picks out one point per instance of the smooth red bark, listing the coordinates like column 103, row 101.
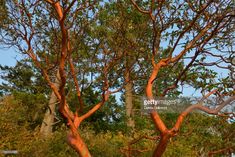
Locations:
column 76, row 142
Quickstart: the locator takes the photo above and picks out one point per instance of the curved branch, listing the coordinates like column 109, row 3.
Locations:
column 78, row 120
column 202, row 108
column 138, row 8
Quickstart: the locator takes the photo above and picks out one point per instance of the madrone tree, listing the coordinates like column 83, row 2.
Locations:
column 46, row 31
column 200, row 33
column 190, row 29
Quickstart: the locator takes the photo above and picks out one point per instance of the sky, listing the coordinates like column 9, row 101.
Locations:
column 8, row 56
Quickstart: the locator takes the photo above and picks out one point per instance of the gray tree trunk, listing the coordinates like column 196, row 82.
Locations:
column 48, row 120
column 129, row 100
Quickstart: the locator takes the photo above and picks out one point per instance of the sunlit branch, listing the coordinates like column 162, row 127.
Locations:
column 199, row 106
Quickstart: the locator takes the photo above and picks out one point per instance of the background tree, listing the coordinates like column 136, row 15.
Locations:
column 121, row 37
column 26, row 85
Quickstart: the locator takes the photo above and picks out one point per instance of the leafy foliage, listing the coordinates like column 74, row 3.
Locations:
column 109, row 39
column 199, row 135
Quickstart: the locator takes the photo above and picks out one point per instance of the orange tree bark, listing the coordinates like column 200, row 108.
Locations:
column 214, row 23
column 74, row 138
column 64, row 63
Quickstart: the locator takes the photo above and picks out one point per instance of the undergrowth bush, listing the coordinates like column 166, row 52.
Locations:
column 198, row 135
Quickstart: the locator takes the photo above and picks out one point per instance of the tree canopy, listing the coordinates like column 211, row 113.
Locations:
column 86, row 51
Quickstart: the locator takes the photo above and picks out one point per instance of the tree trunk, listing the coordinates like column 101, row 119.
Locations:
column 161, row 147
column 48, row 120
column 76, row 142
column 129, row 100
